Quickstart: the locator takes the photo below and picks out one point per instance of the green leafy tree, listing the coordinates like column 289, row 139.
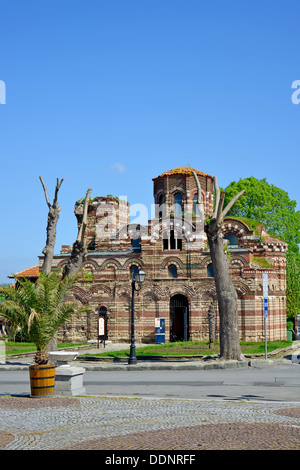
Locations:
column 273, row 208
column 42, row 307
column 269, row 205
column 292, row 284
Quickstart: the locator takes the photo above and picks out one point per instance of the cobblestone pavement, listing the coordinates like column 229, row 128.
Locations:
column 100, row 423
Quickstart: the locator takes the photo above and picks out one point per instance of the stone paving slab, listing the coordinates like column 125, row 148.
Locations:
column 131, row 424
column 101, row 423
column 233, row 436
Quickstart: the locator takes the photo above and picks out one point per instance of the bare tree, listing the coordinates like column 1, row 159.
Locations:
column 53, row 216
column 79, row 249
column 226, row 293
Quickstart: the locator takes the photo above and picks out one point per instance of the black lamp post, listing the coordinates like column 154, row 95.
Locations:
column 136, row 279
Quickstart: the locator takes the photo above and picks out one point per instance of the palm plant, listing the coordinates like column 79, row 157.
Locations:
column 42, row 307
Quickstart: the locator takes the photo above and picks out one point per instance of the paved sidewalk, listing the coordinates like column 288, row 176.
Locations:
column 118, row 423
column 99, row 423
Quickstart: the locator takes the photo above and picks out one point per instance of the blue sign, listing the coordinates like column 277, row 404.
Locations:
column 159, row 330
column 266, row 308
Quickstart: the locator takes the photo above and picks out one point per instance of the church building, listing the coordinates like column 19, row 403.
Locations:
column 172, row 250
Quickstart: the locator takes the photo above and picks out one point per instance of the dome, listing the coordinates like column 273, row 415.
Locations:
column 182, row 170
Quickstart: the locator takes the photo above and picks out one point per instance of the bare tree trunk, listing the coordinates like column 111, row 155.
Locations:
column 227, row 300
column 79, row 250
column 53, row 216
column 226, row 293
column 212, row 324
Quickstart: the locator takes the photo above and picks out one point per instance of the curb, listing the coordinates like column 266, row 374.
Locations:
column 181, row 365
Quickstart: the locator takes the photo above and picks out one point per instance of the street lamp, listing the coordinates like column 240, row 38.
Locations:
column 138, row 279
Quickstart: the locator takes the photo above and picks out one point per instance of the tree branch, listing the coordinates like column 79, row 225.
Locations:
column 58, row 185
column 232, row 202
column 53, row 216
column 199, row 200
column 219, row 217
column 45, row 192
column 81, row 231
column 217, row 197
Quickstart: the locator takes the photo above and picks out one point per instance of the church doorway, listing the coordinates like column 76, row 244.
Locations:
column 179, row 318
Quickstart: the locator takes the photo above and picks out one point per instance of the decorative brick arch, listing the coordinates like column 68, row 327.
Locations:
column 81, row 295
column 178, row 189
column 108, row 264
column 238, row 228
column 239, row 260
column 161, row 293
column 132, row 262
column 100, row 288
column 205, row 262
column 241, row 288
column 62, row 264
column 90, row 265
column 171, row 260
column 209, row 293
column 150, row 295
column 186, row 291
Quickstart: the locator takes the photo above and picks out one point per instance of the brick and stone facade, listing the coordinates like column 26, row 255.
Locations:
column 172, row 250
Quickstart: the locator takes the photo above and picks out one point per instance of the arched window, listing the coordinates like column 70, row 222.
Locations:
column 161, row 204
column 178, row 205
column 210, row 270
column 161, row 200
column 172, row 271
column 232, row 239
column 102, row 311
column 133, row 270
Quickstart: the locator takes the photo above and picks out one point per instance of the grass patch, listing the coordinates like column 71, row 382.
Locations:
column 188, row 348
column 19, row 348
column 262, row 262
column 194, row 348
column 251, row 223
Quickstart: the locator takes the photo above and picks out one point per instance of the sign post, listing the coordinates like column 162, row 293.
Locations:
column 266, row 307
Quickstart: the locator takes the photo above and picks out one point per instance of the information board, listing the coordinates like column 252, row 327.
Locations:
column 159, row 330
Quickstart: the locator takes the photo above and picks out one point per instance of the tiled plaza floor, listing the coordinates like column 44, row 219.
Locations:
column 99, row 423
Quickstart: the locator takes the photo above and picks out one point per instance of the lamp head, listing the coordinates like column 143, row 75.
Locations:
column 140, row 277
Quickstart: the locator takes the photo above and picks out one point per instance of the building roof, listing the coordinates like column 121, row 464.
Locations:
column 182, row 170
column 33, row 271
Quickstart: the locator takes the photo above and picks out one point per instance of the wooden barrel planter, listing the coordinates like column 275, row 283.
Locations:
column 42, row 379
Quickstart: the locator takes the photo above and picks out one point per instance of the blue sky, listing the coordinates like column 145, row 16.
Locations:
column 108, row 94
